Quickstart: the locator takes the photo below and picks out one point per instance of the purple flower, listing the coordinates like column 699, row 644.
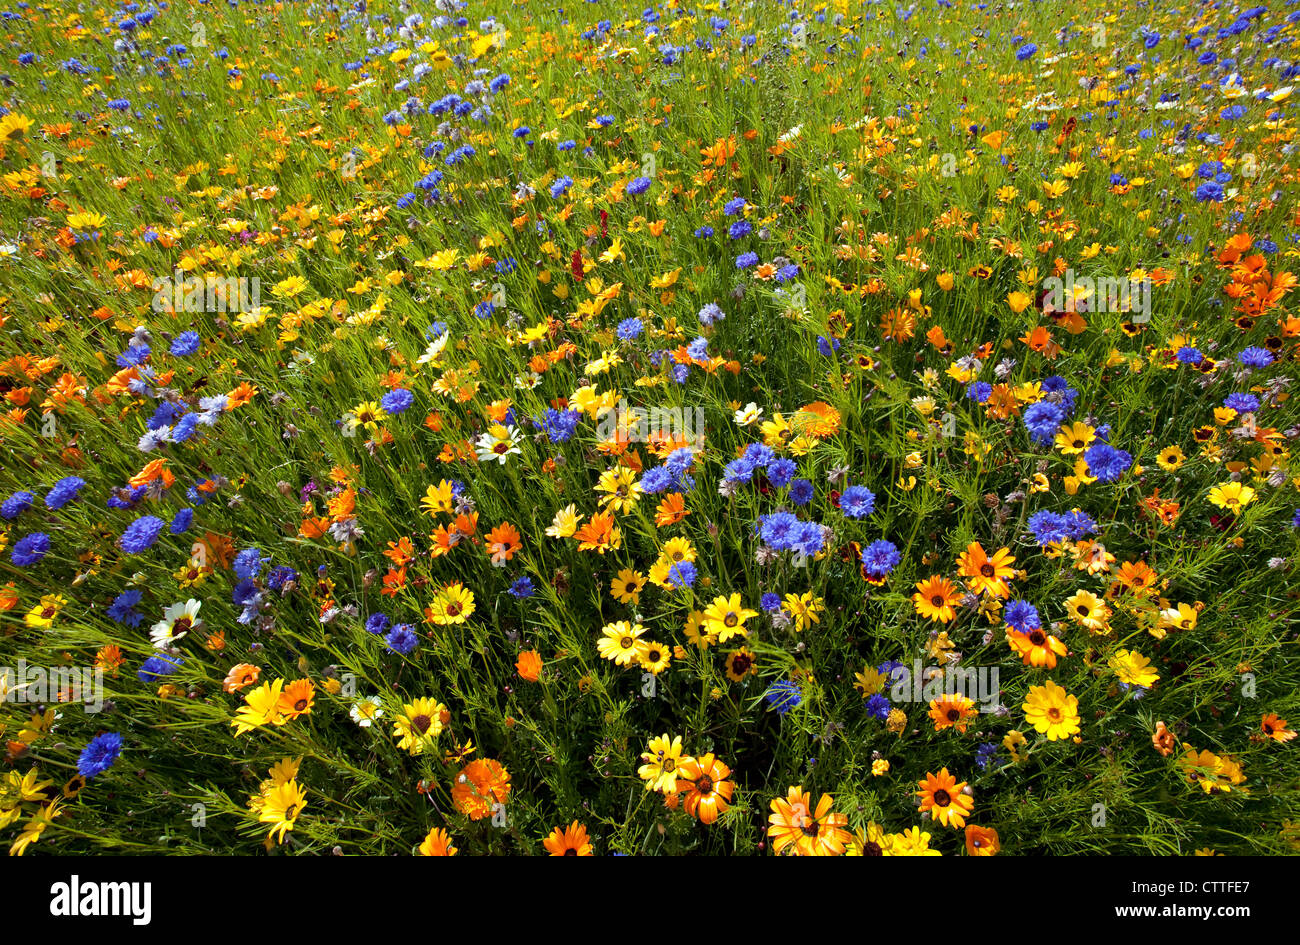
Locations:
column 30, row 549
column 141, row 534
column 857, row 502
column 402, row 639
column 99, row 754
column 1106, row 462
column 398, row 400
column 880, row 558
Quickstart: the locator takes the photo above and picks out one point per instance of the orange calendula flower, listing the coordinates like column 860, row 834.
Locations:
column 982, row 841
column 817, row 420
column 529, row 665
column 481, row 789
column 437, row 843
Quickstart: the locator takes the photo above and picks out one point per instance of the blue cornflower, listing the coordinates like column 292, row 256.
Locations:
column 810, row 538
column 857, row 502
column 248, row 563
column 158, row 666
column 1189, row 355
column 746, row 260
column 738, row 470
column 185, row 344
column 680, row 460
column 739, row 228
column 99, row 754
column 141, row 534
column 398, row 400
column 704, row 232
column 1254, row 357
column 682, row 574
column 734, row 206
column 559, row 425
column 629, row 329
column 780, row 472
column 1079, row 524
column 123, row 609
column 1026, row 51
column 30, row 549
column 1022, row 616
column 17, row 504
column 801, row 492
column 778, row 530
column 279, row 576
column 880, row 558
column 878, row 707
column 561, row 186
column 181, row 522
column 1106, row 462
column 698, row 349
column 402, row 639
column 522, row 587
column 1043, row 419
column 377, row 624
column 656, row 480
column 1242, row 403
column 770, row 602
column 985, row 754
column 783, row 696
column 638, row 186
column 1048, row 527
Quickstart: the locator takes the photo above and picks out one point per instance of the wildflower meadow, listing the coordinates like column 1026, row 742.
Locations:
column 745, row 428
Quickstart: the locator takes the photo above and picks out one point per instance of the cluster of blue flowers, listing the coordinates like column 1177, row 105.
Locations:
column 1053, row 527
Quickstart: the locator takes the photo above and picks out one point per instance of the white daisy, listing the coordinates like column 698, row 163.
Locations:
column 178, row 620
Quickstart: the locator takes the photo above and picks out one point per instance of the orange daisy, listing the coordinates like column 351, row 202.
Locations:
column 987, row 574
column 941, row 796
column 935, row 599
column 569, row 841
column 707, row 789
